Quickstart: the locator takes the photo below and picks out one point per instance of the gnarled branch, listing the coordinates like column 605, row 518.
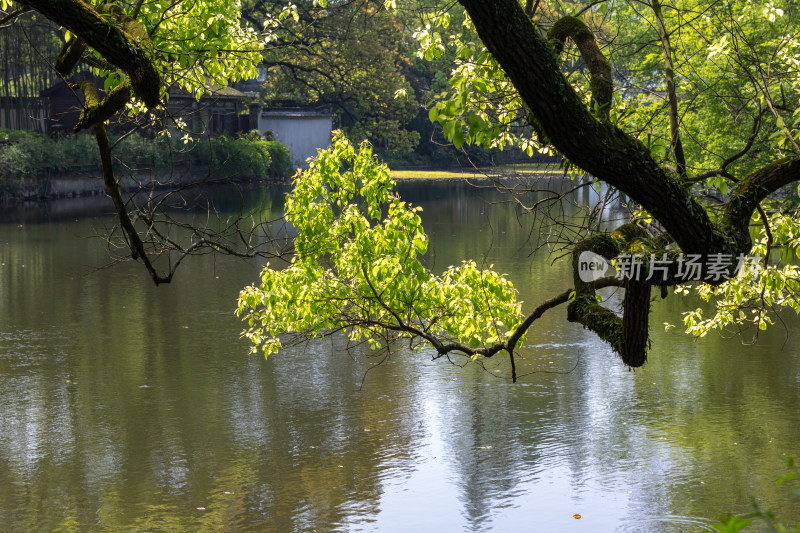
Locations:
column 69, row 56
column 628, row 336
column 96, row 112
column 601, row 82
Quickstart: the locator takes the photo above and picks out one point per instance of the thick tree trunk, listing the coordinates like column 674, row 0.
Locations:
column 611, row 155
column 599, row 148
column 635, row 323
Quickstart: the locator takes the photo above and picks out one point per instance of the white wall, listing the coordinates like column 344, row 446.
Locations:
column 303, row 134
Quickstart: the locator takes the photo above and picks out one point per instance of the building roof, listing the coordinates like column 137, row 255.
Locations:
column 213, row 92
column 61, row 87
column 296, row 112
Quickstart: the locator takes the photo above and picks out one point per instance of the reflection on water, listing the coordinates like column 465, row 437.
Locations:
column 129, row 407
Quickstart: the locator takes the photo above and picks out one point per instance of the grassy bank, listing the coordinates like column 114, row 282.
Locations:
column 472, row 173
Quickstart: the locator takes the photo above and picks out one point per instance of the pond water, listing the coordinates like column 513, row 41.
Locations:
column 130, row 407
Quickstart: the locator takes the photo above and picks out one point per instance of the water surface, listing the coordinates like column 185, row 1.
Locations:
column 130, row 407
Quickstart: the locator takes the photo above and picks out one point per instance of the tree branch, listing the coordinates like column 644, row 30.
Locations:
column 752, row 191
column 69, row 56
column 509, row 345
column 96, row 112
column 723, row 169
column 112, row 185
column 119, row 47
column 672, row 98
column 600, row 82
column 11, row 17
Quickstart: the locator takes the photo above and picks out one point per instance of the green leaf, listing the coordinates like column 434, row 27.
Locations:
column 449, row 128
column 458, row 137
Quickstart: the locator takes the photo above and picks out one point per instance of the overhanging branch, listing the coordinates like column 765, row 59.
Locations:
column 112, row 186
column 601, row 83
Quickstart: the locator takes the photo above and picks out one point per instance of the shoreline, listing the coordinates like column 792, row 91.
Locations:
column 43, row 188
column 458, row 176
column 506, row 171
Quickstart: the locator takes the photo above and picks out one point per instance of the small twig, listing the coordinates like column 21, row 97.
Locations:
column 13, row 15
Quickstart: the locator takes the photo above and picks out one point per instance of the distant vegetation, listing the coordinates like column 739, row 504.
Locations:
column 27, row 154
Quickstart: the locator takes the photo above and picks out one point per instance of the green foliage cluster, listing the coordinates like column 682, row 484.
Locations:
column 479, row 105
column 196, row 45
column 357, row 267
column 737, row 64
column 27, row 154
column 248, row 157
column 747, row 299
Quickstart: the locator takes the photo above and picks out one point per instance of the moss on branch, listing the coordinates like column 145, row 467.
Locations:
column 628, row 336
column 69, row 56
column 96, row 111
column 601, row 82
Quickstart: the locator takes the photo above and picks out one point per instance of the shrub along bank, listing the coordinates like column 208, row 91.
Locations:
column 27, row 157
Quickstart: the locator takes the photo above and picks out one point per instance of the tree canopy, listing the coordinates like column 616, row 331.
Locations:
column 354, row 58
column 357, row 268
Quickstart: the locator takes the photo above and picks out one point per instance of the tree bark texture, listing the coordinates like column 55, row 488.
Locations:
column 69, row 57
column 635, row 323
